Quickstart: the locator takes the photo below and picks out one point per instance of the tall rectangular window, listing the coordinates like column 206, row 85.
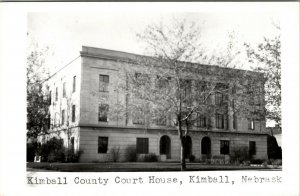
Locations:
column 201, row 90
column 63, row 117
column 56, row 93
column 102, row 144
column 72, row 144
column 219, row 121
column 234, row 121
column 161, row 119
column 142, row 145
column 251, row 124
column 218, row 98
column 186, row 87
column 103, row 83
column 64, row 89
column 252, row 148
column 74, row 84
column 102, row 112
column 50, row 97
column 201, row 120
column 138, row 117
column 224, row 147
column 73, row 113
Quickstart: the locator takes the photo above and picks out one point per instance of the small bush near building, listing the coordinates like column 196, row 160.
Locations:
column 52, row 151
column 73, row 157
column 150, row 158
column 31, row 151
column 130, row 154
column 115, row 153
column 239, row 155
column 192, row 158
column 256, row 161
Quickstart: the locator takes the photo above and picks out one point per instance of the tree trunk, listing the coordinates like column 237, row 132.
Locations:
column 183, row 165
column 182, row 148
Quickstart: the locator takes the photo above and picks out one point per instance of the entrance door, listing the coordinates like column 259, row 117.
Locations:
column 206, row 146
column 165, row 146
column 188, row 147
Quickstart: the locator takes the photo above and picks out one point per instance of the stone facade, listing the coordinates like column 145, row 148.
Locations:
column 98, row 139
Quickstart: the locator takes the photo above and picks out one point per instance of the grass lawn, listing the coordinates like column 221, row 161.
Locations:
column 136, row 167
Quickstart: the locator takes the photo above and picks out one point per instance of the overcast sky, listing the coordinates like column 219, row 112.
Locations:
column 66, row 33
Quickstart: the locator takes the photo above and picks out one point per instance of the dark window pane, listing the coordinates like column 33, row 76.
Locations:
column 74, row 84
column 56, row 93
column 64, row 89
column 224, row 147
column 73, row 113
column 142, row 145
column 63, row 117
column 252, row 148
column 102, row 144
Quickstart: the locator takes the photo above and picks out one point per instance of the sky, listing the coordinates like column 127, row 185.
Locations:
column 66, row 33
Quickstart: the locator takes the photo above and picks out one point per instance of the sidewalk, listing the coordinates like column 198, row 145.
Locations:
column 137, row 167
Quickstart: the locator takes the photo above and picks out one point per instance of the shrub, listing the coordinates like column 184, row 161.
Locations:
column 52, row 151
column 150, row 158
column 73, row 157
column 130, row 154
column 256, row 161
column 192, row 158
column 277, row 162
column 115, row 153
column 31, row 151
column 265, row 163
column 239, row 154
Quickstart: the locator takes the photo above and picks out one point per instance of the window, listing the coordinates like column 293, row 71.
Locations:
column 102, row 112
column 56, row 93
column 186, row 87
column 63, row 117
column 161, row 119
column 74, row 84
column 201, row 88
column 234, row 121
column 218, row 98
column 162, row 82
column 50, row 97
column 252, row 148
column 64, row 89
column 224, row 147
column 138, row 117
column 103, row 83
column 72, row 144
column 221, row 121
column 73, row 113
column 142, row 145
column 201, row 120
column 102, row 144
column 251, row 125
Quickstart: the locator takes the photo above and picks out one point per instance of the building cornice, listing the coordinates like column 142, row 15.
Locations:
column 172, row 129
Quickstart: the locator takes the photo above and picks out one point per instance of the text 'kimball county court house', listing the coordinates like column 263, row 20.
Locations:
column 83, row 93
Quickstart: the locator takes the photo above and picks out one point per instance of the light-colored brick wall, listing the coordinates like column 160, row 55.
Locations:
column 122, row 138
column 88, row 97
column 72, row 98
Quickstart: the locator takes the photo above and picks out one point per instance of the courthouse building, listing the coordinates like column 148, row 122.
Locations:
column 83, row 93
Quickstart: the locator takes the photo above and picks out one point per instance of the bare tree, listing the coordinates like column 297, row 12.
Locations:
column 266, row 58
column 38, row 99
column 168, row 86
